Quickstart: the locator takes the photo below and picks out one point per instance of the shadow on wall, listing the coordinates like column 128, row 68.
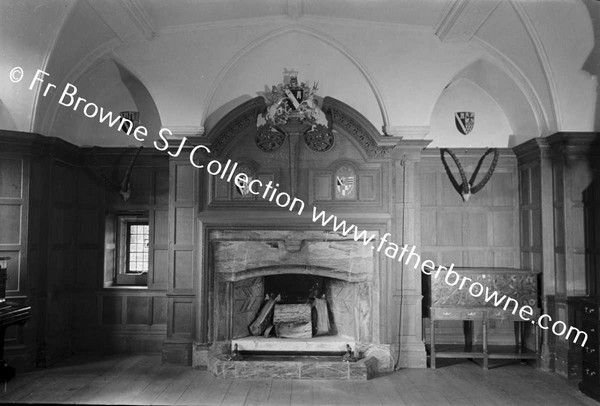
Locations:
column 592, row 63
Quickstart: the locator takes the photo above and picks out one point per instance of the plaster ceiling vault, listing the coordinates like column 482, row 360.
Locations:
column 527, row 68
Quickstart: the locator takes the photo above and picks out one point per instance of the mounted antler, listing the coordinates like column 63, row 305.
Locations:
column 466, row 189
column 124, row 188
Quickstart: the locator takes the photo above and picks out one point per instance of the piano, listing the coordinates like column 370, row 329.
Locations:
column 10, row 314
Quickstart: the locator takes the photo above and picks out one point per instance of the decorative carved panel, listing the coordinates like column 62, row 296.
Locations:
column 514, row 283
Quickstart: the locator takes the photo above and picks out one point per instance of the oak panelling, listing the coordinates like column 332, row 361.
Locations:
column 477, row 229
column 161, row 188
column 429, row 195
column 161, row 228
column 322, row 186
column 160, row 267
column 10, row 214
column 182, row 269
column 86, row 272
column 13, row 283
column 112, row 310
column 449, row 228
column 368, row 187
column 222, row 190
column 184, row 225
column 11, row 178
column 179, row 322
column 184, row 178
column 537, row 228
column 182, row 208
column 139, row 310
column 483, row 232
column 159, row 310
column 124, row 317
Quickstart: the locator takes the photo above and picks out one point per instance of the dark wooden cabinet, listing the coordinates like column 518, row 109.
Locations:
column 590, row 383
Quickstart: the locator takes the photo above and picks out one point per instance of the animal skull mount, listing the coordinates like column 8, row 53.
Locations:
column 466, row 188
column 124, row 188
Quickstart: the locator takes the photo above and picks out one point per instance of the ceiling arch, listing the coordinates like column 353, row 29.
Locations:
column 523, row 111
column 311, row 32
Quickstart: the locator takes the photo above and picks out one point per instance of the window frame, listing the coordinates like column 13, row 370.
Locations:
column 123, row 277
column 127, row 260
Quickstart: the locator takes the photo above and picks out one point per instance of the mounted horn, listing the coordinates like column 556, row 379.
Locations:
column 466, row 188
column 124, row 188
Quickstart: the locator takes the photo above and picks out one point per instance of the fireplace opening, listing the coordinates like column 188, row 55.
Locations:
column 252, row 268
column 295, row 288
column 296, row 306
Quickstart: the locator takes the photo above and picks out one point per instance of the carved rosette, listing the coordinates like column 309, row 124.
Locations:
column 319, row 139
column 268, row 139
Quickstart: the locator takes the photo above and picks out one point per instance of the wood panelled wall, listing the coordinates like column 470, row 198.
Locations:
column 559, row 198
column 52, row 210
column 15, row 167
column 182, row 266
column 125, row 319
column 483, row 232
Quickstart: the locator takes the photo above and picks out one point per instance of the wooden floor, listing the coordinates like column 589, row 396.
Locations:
column 142, row 380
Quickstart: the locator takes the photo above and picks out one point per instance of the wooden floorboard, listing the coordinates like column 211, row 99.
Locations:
column 259, row 392
column 237, row 392
column 302, row 393
column 194, row 393
column 142, row 380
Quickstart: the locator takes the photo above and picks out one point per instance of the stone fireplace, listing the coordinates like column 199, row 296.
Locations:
column 249, row 265
column 224, row 266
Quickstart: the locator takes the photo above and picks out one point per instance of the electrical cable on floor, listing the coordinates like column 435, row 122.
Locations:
column 401, row 302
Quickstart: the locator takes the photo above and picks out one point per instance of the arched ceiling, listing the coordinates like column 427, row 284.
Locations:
column 389, row 59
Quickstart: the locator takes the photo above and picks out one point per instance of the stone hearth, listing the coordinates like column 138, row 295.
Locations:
column 293, row 367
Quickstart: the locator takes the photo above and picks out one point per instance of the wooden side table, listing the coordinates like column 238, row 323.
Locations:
column 484, row 316
column 443, row 301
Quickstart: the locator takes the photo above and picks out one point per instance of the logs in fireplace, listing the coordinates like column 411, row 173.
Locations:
column 292, row 320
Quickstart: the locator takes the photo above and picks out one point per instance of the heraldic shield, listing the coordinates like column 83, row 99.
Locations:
column 464, row 120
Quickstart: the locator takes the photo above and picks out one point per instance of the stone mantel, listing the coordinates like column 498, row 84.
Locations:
column 240, row 255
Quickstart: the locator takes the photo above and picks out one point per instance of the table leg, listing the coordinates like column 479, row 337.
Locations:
column 468, row 331
column 485, row 344
column 518, row 335
column 432, row 346
column 538, row 361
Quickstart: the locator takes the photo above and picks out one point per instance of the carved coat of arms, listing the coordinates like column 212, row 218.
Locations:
column 345, row 185
column 293, row 102
column 464, row 120
column 345, row 182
